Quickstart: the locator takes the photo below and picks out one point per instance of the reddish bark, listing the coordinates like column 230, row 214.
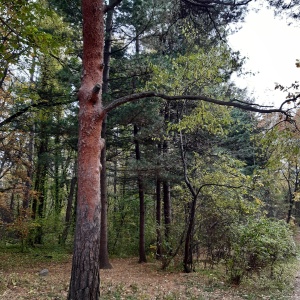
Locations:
column 85, row 278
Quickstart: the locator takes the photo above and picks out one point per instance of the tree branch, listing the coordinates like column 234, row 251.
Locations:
column 238, row 104
column 218, row 185
column 294, row 99
column 183, row 159
column 211, row 3
column 25, row 109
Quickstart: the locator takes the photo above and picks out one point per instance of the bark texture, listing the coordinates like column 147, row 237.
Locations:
column 158, row 253
column 85, row 278
column 140, row 183
column 68, row 211
column 104, row 258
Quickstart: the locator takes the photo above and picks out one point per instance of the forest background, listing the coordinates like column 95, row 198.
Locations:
column 182, row 178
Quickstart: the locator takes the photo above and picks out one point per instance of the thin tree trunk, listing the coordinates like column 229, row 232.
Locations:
column 103, row 252
column 292, row 195
column 140, row 183
column 158, row 219
column 29, row 179
column 38, row 204
column 69, row 210
column 12, row 203
column 85, row 277
column 57, row 198
column 166, row 188
column 158, row 210
column 188, row 246
column 104, row 258
column 142, row 251
column 167, row 209
column 28, row 183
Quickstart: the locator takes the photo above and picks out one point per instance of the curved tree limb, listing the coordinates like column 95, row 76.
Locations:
column 238, row 104
column 294, row 99
column 211, row 3
column 27, row 108
column 134, row 97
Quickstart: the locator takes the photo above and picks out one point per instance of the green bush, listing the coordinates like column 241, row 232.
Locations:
column 256, row 245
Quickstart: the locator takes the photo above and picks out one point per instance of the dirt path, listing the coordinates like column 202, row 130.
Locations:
column 127, row 280
column 296, row 295
column 148, row 281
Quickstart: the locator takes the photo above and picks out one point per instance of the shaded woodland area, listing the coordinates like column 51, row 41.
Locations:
column 188, row 167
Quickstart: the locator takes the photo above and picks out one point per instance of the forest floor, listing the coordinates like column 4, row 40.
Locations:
column 20, row 279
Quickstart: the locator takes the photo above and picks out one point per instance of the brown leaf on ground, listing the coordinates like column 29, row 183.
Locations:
column 127, row 280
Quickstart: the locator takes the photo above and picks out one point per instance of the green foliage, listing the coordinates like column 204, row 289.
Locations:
column 23, row 228
column 29, row 28
column 276, row 181
column 258, row 244
column 197, row 72
column 241, row 139
column 210, row 118
column 124, row 226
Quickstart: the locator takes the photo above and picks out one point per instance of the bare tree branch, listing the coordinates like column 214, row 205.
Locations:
column 218, row 185
column 294, row 99
column 27, row 108
column 211, row 3
column 134, row 97
column 238, row 104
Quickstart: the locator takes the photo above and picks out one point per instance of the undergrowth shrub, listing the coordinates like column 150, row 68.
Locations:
column 256, row 245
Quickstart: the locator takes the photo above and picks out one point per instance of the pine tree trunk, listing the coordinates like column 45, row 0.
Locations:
column 167, row 209
column 142, row 251
column 85, row 277
column 38, row 204
column 104, row 258
column 140, row 183
column 158, row 219
column 68, row 211
column 166, row 187
column 28, row 183
column 292, row 193
column 188, row 247
column 158, row 209
column 103, row 252
column 29, row 179
column 167, row 205
column 57, row 197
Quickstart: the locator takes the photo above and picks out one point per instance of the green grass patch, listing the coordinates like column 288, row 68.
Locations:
column 13, row 258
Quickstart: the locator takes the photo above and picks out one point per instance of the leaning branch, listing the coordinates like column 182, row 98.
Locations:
column 294, row 99
column 133, row 97
column 211, row 3
column 217, row 185
column 242, row 105
column 33, row 105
